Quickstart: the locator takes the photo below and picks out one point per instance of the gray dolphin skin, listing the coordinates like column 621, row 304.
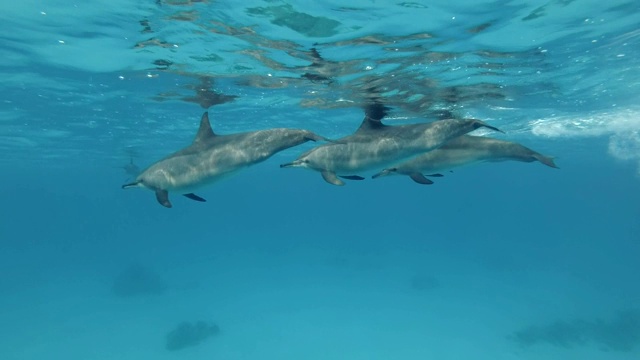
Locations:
column 463, row 150
column 212, row 157
column 376, row 145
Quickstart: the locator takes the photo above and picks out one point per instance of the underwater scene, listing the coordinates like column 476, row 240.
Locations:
column 290, row 179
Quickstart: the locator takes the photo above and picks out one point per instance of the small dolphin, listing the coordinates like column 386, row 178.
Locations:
column 462, row 151
column 211, row 157
column 375, row 144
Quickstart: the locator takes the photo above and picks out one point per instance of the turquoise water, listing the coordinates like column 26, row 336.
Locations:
column 494, row 261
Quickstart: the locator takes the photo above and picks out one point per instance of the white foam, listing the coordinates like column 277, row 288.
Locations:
column 622, row 127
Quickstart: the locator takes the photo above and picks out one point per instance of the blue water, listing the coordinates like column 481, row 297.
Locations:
column 494, row 261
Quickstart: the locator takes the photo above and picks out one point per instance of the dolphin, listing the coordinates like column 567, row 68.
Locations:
column 212, row 157
column 462, row 151
column 376, row 145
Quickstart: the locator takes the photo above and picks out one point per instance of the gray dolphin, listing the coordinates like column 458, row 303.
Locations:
column 376, row 145
column 462, row 151
column 212, row 157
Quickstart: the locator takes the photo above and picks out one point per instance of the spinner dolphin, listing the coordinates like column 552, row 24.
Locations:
column 212, row 157
column 462, row 151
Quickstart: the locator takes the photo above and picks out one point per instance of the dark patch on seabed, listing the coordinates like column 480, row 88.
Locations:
column 138, row 281
column 424, row 283
column 188, row 334
column 620, row 333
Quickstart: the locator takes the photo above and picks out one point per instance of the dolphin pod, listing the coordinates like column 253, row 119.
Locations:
column 376, row 145
column 413, row 150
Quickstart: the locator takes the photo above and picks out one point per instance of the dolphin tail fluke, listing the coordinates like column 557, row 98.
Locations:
column 547, row 160
column 163, row 198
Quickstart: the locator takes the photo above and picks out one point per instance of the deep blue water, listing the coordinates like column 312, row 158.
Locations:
column 494, row 261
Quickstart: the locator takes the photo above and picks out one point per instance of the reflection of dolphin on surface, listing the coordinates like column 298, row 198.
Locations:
column 462, row 151
column 211, row 157
column 131, row 169
column 376, row 145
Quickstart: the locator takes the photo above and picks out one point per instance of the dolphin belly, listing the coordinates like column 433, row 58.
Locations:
column 357, row 157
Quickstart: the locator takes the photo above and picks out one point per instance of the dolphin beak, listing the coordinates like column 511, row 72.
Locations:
column 131, row 185
column 291, row 164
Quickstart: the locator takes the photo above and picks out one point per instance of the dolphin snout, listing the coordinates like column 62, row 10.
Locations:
column 294, row 163
column 131, row 185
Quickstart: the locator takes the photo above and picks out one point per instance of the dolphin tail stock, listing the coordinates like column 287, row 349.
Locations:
column 547, row 160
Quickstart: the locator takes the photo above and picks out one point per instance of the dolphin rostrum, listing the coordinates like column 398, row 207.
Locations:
column 211, row 157
column 376, row 145
column 462, row 151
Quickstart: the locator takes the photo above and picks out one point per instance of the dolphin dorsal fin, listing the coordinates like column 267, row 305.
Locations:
column 204, row 132
column 369, row 124
column 373, row 114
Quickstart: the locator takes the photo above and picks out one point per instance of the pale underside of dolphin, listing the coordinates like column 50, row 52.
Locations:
column 376, row 145
column 461, row 151
column 212, row 157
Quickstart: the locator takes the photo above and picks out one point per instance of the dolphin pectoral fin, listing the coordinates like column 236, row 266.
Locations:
column 420, row 179
column 384, row 172
column 435, row 175
column 331, row 178
column 352, row 177
column 163, row 198
column 195, row 197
